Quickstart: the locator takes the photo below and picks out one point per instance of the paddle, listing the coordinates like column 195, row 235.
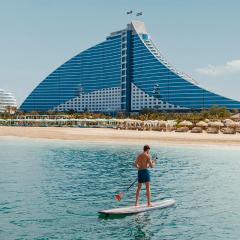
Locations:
column 119, row 196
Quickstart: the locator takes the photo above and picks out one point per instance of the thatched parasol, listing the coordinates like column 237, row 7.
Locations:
column 234, row 124
column 236, row 117
column 171, row 123
column 216, row 124
column 162, row 123
column 148, row 123
column 185, row 123
column 202, row 124
column 229, row 123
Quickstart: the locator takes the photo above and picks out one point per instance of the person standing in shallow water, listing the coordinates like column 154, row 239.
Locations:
column 142, row 163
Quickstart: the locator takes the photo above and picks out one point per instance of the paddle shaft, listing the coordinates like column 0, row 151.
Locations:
column 131, row 185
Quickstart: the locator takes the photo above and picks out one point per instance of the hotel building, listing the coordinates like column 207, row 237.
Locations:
column 7, row 100
column 124, row 73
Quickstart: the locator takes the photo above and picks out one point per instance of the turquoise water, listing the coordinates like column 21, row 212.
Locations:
column 53, row 190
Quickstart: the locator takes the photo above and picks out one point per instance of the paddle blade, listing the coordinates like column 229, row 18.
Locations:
column 119, row 197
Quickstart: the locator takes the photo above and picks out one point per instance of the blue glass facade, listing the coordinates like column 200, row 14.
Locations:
column 127, row 60
column 94, row 69
column 149, row 71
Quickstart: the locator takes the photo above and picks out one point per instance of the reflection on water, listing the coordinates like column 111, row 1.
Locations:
column 142, row 225
column 54, row 190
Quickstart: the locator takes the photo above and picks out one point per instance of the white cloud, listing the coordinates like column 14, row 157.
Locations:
column 230, row 67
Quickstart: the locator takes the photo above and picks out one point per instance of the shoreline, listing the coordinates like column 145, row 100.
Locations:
column 126, row 137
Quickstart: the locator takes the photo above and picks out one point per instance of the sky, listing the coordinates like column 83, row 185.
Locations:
column 200, row 38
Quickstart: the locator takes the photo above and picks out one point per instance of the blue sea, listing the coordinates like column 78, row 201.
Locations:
column 54, row 189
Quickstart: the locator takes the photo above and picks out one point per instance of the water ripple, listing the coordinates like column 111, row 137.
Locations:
column 54, row 189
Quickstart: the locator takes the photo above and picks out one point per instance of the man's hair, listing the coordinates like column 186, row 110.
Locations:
column 145, row 148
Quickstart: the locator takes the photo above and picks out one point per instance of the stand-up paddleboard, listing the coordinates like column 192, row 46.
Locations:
column 139, row 209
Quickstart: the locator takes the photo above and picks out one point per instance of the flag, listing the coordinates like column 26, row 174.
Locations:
column 130, row 12
column 139, row 14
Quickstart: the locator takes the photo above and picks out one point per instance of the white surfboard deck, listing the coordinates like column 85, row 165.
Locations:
column 140, row 208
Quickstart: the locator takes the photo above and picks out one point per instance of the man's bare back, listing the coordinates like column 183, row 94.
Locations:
column 143, row 161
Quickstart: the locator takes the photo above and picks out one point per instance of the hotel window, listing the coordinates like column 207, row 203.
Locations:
column 124, row 52
column 124, row 65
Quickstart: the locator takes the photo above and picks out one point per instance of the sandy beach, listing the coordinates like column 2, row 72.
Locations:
column 122, row 136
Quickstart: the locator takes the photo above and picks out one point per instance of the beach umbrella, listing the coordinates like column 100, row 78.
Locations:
column 228, row 122
column 215, row 124
column 202, row 124
column 162, row 123
column 132, row 122
column 100, row 121
column 129, row 121
column 171, row 123
column 233, row 124
column 236, row 117
column 148, row 123
column 138, row 122
column 185, row 123
column 155, row 123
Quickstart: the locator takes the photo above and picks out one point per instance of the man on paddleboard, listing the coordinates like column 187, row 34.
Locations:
column 142, row 163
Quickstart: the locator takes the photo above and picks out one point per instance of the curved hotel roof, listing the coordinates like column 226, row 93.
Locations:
column 126, row 72
column 6, row 100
